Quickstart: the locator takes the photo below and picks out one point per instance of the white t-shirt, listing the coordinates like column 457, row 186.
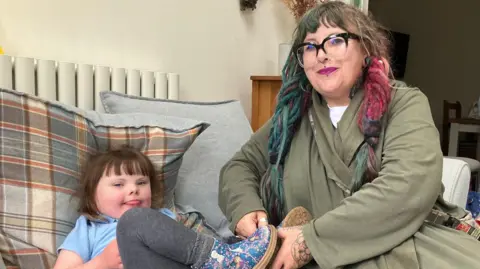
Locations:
column 336, row 114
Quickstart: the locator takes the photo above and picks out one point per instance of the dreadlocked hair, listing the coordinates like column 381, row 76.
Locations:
column 294, row 99
column 377, row 93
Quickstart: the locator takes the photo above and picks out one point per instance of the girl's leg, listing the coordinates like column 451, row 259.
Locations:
column 150, row 239
column 147, row 259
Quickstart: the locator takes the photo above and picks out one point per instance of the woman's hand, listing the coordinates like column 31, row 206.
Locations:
column 294, row 252
column 249, row 223
column 110, row 256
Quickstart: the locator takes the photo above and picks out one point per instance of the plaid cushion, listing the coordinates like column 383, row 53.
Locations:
column 42, row 146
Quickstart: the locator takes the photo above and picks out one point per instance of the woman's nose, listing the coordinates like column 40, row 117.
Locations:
column 321, row 56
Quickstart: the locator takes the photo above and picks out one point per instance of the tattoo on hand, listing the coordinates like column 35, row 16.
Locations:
column 300, row 252
column 291, row 228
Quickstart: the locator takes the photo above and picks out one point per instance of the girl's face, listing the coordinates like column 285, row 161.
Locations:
column 115, row 194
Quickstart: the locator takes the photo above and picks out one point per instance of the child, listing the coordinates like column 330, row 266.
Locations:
column 119, row 180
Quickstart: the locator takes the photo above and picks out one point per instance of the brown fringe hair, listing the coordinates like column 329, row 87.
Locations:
column 123, row 160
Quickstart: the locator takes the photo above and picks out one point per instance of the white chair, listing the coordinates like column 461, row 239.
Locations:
column 456, row 179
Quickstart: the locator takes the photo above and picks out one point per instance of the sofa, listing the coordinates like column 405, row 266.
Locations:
column 38, row 208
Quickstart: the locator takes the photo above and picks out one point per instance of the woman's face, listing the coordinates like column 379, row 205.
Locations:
column 334, row 73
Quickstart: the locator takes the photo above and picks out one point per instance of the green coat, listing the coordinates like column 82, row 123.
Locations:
column 380, row 226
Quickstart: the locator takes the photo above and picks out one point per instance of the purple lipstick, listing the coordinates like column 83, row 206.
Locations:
column 327, row 70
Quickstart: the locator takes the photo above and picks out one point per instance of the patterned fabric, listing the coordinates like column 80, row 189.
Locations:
column 42, row 147
column 466, row 224
column 245, row 254
column 473, row 203
column 195, row 221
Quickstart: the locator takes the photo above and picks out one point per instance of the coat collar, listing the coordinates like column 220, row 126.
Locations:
column 104, row 219
column 343, row 141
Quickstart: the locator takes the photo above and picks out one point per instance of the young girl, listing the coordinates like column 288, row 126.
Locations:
column 120, row 184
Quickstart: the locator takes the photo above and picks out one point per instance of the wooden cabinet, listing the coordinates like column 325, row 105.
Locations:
column 264, row 98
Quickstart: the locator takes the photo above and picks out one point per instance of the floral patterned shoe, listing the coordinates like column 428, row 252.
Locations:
column 255, row 252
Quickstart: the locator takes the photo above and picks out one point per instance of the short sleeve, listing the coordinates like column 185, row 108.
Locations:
column 169, row 213
column 78, row 240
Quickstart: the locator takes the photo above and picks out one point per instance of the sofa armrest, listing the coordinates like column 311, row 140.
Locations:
column 456, row 179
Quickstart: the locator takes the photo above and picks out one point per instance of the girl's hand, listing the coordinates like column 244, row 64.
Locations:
column 110, row 256
column 249, row 223
column 294, row 252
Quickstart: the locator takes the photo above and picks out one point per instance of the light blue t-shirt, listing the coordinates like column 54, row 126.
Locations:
column 89, row 238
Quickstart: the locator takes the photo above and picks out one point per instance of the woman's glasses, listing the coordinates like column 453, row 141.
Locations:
column 334, row 46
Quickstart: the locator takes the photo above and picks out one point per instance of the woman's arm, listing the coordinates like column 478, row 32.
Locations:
column 240, row 178
column 386, row 212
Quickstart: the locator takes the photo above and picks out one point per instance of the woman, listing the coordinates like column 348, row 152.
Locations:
column 358, row 151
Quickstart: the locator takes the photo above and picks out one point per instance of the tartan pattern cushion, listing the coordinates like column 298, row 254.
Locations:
column 42, row 147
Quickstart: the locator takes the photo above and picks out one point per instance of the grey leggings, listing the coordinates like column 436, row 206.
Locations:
column 149, row 239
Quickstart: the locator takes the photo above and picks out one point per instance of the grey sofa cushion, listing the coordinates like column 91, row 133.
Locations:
column 197, row 186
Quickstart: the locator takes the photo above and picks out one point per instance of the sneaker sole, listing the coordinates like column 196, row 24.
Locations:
column 297, row 216
column 265, row 261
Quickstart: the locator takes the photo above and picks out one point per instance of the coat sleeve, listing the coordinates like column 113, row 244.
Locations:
column 239, row 184
column 391, row 208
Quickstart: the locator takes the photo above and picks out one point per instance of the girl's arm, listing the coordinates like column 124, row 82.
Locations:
column 71, row 260
column 108, row 259
column 75, row 251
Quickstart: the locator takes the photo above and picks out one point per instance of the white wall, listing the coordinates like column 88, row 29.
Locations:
column 212, row 44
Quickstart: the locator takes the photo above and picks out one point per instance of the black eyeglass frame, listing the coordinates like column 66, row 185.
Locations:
column 346, row 36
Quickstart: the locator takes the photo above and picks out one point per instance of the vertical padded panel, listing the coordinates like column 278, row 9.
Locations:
column 47, row 79
column 148, row 84
column 24, row 69
column 6, row 72
column 161, row 85
column 85, row 94
column 133, row 82
column 67, row 92
column 102, row 83
column 173, row 86
column 118, row 80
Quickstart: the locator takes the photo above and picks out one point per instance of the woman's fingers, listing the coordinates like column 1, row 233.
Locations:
column 247, row 225
column 262, row 219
